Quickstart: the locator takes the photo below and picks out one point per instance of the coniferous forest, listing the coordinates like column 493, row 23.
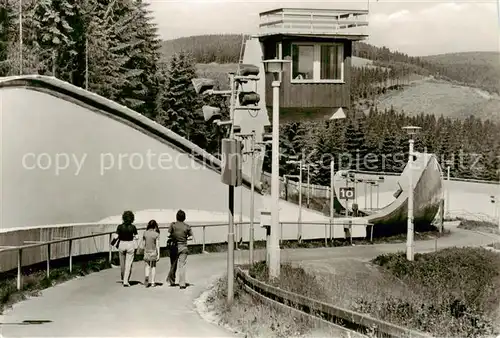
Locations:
column 128, row 63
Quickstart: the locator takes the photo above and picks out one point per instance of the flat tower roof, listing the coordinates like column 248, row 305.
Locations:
column 308, row 22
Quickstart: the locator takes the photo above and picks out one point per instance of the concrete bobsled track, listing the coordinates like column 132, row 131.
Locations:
column 427, row 182
column 70, row 156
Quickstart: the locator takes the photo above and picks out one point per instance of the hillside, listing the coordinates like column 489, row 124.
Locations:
column 455, row 85
column 480, row 69
column 440, row 97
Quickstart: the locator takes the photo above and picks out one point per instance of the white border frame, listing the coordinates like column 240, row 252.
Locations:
column 317, row 62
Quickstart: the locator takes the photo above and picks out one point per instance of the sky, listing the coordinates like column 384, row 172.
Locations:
column 417, row 28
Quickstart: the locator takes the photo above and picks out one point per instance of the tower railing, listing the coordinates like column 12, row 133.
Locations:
column 314, row 22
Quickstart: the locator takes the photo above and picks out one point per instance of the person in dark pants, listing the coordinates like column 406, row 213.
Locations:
column 127, row 237
column 179, row 234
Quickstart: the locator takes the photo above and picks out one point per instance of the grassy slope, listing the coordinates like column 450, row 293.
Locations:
column 491, row 59
column 442, row 97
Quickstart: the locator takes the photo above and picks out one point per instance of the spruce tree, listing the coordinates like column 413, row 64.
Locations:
column 354, row 138
column 105, row 63
column 6, row 36
column 53, row 21
column 141, row 89
column 389, row 152
column 180, row 103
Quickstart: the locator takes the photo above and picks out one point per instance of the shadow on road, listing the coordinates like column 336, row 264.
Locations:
column 29, row 322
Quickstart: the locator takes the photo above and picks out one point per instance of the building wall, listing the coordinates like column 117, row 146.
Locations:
column 308, row 101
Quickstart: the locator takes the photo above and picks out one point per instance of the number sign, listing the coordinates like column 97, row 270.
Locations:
column 346, row 193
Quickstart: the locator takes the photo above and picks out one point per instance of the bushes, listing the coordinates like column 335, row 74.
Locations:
column 456, row 291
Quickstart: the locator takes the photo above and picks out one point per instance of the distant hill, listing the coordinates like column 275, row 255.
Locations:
column 481, row 69
column 220, row 48
column 440, row 97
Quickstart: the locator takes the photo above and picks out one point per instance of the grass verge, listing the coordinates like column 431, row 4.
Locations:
column 453, row 292
column 253, row 318
column 495, row 246
column 483, row 226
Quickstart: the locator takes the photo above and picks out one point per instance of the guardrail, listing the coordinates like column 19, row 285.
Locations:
column 20, row 249
column 347, row 318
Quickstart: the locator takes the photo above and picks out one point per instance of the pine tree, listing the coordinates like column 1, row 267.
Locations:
column 6, row 36
column 141, row 89
column 389, row 151
column 105, row 64
column 53, row 21
column 180, row 102
column 354, row 145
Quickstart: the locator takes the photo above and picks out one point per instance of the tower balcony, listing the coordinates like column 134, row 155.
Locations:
column 346, row 24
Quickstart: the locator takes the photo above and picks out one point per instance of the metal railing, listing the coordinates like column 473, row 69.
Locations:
column 326, row 311
column 328, row 235
column 316, row 190
column 314, row 21
column 71, row 240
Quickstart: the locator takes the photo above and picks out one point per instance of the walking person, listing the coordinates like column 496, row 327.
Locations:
column 127, row 243
column 151, row 240
column 179, row 234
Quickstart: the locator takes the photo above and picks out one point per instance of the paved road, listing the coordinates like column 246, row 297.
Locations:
column 96, row 305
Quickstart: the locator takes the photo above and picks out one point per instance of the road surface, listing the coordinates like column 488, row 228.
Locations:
column 97, row 305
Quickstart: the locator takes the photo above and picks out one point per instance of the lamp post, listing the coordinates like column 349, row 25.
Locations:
column 275, row 67
column 411, row 130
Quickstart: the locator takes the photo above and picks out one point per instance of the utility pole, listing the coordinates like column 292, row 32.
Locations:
column 86, row 62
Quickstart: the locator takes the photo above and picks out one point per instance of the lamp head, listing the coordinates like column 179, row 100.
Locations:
column 211, row 114
column 274, row 66
column 411, row 130
column 203, row 85
column 236, row 129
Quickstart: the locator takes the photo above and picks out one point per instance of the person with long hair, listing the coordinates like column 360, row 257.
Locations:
column 126, row 234
column 151, row 240
column 179, row 234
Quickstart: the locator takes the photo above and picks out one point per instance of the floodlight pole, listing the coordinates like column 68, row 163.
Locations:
column 230, row 232
column 252, row 199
